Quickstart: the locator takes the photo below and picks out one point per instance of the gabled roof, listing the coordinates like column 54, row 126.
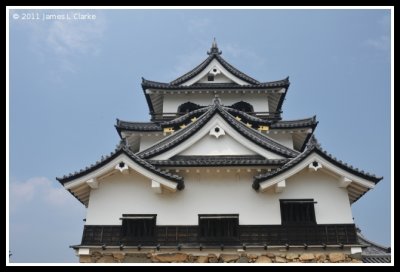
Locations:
column 183, row 134
column 122, row 149
column 276, row 89
column 214, row 53
column 313, row 147
column 218, row 161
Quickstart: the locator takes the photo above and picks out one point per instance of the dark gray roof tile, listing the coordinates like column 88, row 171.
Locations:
column 313, row 146
column 182, row 134
column 122, row 149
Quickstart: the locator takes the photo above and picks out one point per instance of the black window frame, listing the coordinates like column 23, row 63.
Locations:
column 138, row 227
column 188, row 107
column 218, row 227
column 298, row 211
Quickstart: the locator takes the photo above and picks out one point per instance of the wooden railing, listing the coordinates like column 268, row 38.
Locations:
column 329, row 234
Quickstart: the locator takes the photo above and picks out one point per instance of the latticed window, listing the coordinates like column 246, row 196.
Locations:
column 218, row 227
column 297, row 211
column 138, row 226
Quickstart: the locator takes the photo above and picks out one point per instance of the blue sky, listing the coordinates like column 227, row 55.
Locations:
column 70, row 80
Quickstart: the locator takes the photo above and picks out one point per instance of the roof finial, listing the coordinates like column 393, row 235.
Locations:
column 216, row 100
column 214, row 48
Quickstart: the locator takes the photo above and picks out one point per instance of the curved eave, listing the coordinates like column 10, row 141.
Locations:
column 298, row 123
column 107, row 159
column 362, row 181
column 248, row 118
column 199, row 68
column 121, row 126
column 147, row 84
column 184, row 119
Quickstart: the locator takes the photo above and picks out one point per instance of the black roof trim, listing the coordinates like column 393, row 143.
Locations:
column 314, row 147
column 122, row 149
column 184, row 118
column 245, row 116
column 146, row 84
column 297, row 123
column 181, row 135
column 201, row 161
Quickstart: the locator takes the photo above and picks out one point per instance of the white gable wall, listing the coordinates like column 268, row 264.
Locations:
column 229, row 131
column 214, row 64
column 217, row 79
column 171, row 102
column 224, row 145
column 215, row 193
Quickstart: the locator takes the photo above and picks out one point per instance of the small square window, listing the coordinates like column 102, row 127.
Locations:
column 138, row 227
column 297, row 211
column 210, row 78
column 218, row 227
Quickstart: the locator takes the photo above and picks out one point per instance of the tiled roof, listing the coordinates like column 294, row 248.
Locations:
column 138, row 126
column 214, row 53
column 299, row 123
column 185, row 118
column 312, row 147
column 247, row 117
column 146, row 84
column 181, row 135
column 218, row 161
column 152, row 126
column 122, row 149
column 372, row 252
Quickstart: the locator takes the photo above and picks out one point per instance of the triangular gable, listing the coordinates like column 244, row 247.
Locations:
column 211, row 145
column 219, row 74
column 357, row 182
column 179, row 139
column 122, row 160
column 214, row 131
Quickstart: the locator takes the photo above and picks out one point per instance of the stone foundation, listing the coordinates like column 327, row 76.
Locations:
column 180, row 257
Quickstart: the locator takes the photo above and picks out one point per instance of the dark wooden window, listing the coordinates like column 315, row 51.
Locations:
column 218, row 227
column 188, row 107
column 210, row 78
column 138, row 227
column 297, row 211
column 243, row 106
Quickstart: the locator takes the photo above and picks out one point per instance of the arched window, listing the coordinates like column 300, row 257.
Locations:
column 243, row 106
column 188, row 107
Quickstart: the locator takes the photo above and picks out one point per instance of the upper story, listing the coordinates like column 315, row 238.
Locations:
column 215, row 76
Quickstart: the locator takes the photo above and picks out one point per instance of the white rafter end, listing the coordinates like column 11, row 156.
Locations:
column 93, row 183
column 156, row 187
column 344, row 182
column 280, row 186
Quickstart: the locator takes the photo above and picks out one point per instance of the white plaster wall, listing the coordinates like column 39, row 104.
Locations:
column 284, row 139
column 173, row 101
column 224, row 145
column 220, row 78
column 214, row 64
column 215, row 193
column 147, row 141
